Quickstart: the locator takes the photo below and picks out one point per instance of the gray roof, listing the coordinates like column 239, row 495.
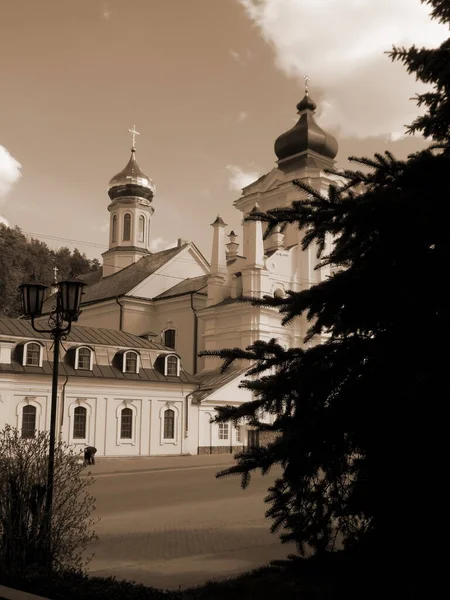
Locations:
column 212, row 380
column 126, row 279
column 192, row 284
column 80, row 334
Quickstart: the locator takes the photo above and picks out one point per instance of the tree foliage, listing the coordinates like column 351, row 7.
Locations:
column 356, row 416
column 21, row 257
column 23, row 485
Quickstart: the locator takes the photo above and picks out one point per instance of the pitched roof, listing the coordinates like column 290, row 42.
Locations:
column 126, row 279
column 192, row 284
column 212, row 380
column 81, row 334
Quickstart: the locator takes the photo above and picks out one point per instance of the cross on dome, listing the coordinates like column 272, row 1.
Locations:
column 55, row 271
column 134, row 133
column 307, row 80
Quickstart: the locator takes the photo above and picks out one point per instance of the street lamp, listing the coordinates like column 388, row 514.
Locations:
column 66, row 310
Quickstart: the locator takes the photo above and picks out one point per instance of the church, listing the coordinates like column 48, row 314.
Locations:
column 173, row 304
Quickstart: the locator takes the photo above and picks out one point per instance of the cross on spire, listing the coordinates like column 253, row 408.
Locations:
column 55, row 271
column 134, row 133
column 307, row 80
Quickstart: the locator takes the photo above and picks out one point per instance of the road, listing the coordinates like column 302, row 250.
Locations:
column 180, row 528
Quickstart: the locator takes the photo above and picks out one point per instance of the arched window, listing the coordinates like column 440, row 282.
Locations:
column 126, row 424
column 169, row 338
column 32, row 357
column 28, row 421
column 83, row 359
column 79, row 422
column 172, row 366
column 169, row 424
column 141, row 230
column 126, row 228
column 114, row 229
column 278, row 293
column 130, row 362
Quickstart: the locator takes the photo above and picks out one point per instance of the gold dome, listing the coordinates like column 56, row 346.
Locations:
column 131, row 181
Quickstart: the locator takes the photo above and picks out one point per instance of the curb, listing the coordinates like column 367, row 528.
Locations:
column 157, row 469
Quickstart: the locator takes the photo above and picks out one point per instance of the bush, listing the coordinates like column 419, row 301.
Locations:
column 23, row 486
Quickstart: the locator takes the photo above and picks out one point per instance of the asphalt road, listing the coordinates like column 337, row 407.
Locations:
column 172, row 529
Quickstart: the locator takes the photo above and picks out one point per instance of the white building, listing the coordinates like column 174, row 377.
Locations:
column 178, row 299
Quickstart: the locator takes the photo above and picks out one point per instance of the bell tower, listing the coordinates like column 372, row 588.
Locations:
column 131, row 193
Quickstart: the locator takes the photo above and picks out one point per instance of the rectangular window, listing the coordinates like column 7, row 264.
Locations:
column 84, row 359
column 28, row 421
column 131, row 362
column 223, row 431
column 238, row 433
column 169, row 338
column 169, row 424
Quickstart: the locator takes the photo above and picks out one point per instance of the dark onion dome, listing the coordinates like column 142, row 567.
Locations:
column 131, row 182
column 306, row 135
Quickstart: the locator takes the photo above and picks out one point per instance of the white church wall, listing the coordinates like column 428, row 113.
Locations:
column 105, row 314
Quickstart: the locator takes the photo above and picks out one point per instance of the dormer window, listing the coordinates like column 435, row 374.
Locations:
column 84, row 359
column 32, row 355
column 130, row 362
column 172, row 366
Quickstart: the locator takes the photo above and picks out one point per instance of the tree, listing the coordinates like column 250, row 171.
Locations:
column 357, row 423
column 23, row 532
column 20, row 258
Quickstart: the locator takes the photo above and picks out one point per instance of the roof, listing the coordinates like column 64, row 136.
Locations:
column 213, row 380
column 192, row 284
column 98, row 371
column 83, row 335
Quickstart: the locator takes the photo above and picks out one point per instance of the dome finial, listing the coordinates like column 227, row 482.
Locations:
column 307, row 80
column 134, row 133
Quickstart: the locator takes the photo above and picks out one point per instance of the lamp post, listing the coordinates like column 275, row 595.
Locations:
column 66, row 310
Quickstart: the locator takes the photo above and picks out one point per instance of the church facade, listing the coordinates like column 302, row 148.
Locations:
column 179, row 301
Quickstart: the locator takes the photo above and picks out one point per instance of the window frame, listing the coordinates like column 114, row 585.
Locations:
column 141, row 230
column 25, row 353
column 172, row 417
column 33, row 401
column 176, row 423
column 129, row 417
column 126, row 239
column 114, row 229
column 166, row 365
column 77, row 358
column 28, row 437
column 223, row 427
column 124, row 361
column 166, row 331
column 134, row 423
column 89, row 433
column 74, row 422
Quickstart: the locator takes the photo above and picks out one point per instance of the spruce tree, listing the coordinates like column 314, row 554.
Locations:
column 358, row 416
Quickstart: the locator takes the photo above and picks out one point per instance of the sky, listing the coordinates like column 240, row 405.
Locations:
column 209, row 84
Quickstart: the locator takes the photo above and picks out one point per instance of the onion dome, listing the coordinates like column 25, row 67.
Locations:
column 306, row 135
column 132, row 181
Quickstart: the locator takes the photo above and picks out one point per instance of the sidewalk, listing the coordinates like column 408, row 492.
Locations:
column 143, row 464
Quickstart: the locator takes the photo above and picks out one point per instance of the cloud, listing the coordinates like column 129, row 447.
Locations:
column 239, row 178
column 236, row 56
column 9, row 172
column 106, row 10
column 159, row 243
column 341, row 46
column 242, row 116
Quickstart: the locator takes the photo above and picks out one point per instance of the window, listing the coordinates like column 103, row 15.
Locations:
column 172, row 368
column 28, row 421
column 126, row 228
column 126, row 423
column 32, row 355
column 223, row 431
column 130, row 362
column 278, row 293
column 238, row 433
column 79, row 422
column 169, row 338
column 169, row 424
column 141, row 230
column 114, row 229
column 83, row 359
